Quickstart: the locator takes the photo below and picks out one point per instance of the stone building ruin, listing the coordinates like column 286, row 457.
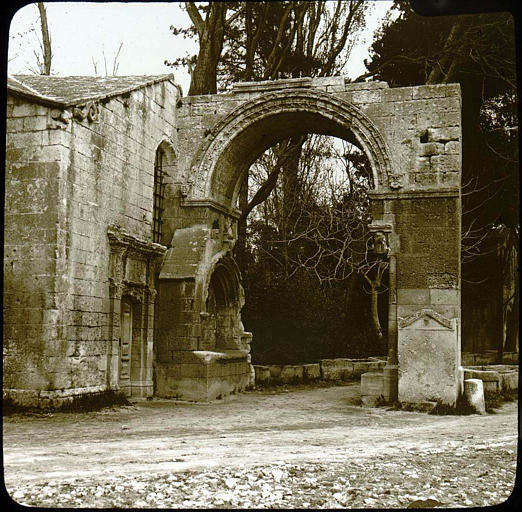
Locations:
column 121, row 216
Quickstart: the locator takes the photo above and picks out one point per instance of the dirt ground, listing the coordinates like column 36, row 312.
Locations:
column 301, row 448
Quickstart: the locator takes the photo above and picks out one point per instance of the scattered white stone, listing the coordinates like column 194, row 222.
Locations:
column 277, row 474
column 231, row 482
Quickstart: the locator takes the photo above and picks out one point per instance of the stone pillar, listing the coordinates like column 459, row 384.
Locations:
column 391, row 370
column 428, row 296
column 474, row 393
column 148, row 364
column 384, row 245
column 115, row 294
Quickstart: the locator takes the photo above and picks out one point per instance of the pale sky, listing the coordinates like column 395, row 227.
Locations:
column 82, row 32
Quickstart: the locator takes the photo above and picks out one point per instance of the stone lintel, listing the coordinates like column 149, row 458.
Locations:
column 119, row 237
column 405, row 322
column 377, row 226
column 213, row 205
column 415, row 194
column 271, row 85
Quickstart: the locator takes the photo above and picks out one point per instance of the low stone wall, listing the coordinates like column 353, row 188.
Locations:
column 488, row 357
column 342, row 369
column 494, row 377
column 202, row 375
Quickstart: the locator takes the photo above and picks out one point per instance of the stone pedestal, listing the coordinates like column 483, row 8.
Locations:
column 203, row 375
column 371, row 388
column 429, row 358
column 474, row 394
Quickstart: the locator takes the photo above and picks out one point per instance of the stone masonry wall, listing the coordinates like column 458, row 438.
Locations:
column 105, row 169
column 413, row 137
column 34, row 247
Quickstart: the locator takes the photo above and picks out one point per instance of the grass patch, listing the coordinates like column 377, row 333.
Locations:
column 82, row 403
column 461, row 408
column 494, row 399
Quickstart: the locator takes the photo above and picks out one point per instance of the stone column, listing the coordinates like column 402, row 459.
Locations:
column 115, row 294
column 149, row 304
column 383, row 245
column 391, row 370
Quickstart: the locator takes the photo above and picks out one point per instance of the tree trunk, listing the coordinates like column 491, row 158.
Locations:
column 240, row 248
column 375, row 308
column 211, row 33
column 46, row 41
column 290, row 166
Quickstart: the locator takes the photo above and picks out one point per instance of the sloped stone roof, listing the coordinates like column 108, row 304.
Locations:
column 74, row 90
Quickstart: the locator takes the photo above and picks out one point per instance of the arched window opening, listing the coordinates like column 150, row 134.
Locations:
column 222, row 309
column 159, row 196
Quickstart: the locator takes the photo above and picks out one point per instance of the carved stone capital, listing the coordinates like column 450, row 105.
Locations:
column 59, row 118
column 116, row 289
column 395, row 181
column 150, row 295
column 90, row 111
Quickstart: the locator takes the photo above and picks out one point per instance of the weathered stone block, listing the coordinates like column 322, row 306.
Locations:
column 433, row 91
column 376, row 365
column 291, row 373
column 371, row 388
column 445, row 162
column 449, row 179
column 419, row 296
column 444, row 297
column 275, row 371
column 334, row 369
column 359, row 367
column 394, row 94
column 509, row 380
column 311, row 371
column 422, row 164
column 262, row 374
column 371, row 384
column 431, row 148
column 483, row 375
column 424, row 179
column 366, row 96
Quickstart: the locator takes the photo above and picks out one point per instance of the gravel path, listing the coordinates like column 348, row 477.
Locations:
column 305, row 448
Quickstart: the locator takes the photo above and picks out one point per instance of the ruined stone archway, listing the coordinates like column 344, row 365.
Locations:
column 411, row 137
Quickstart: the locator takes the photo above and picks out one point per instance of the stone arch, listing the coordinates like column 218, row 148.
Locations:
column 223, row 300
column 167, row 149
column 165, row 168
column 224, row 268
column 243, row 135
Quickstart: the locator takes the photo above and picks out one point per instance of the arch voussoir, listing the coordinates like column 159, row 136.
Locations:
column 209, row 167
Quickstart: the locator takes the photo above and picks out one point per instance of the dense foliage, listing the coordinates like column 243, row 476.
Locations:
column 478, row 52
column 307, row 272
